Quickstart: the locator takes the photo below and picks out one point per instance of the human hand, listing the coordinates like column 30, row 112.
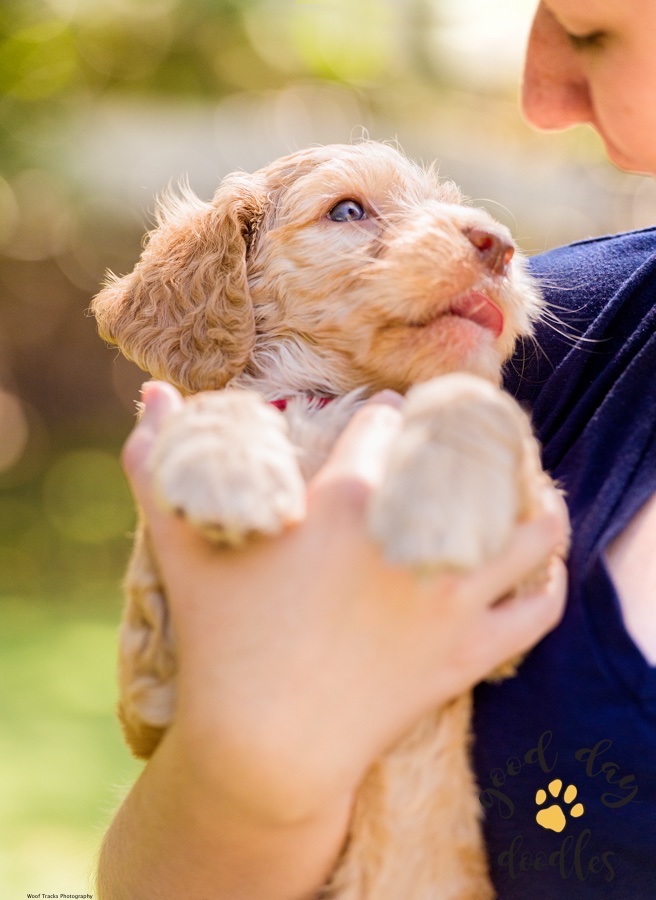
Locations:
column 301, row 659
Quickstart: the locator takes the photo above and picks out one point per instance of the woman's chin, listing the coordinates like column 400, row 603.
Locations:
column 628, row 163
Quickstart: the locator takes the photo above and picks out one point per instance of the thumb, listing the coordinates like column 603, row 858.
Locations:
column 360, row 451
column 158, row 402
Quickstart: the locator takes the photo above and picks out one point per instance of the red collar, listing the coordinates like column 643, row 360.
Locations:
column 319, row 401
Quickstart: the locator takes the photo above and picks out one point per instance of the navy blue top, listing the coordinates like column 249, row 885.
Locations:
column 581, row 714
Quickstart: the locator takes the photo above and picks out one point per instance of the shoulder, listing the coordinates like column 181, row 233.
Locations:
column 593, row 270
column 585, row 285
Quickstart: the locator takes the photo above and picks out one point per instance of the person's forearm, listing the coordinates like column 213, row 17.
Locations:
column 170, row 840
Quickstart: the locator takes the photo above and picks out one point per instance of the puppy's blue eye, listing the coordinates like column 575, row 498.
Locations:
column 347, row 211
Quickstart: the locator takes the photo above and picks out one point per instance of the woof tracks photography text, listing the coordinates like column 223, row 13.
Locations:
column 43, row 896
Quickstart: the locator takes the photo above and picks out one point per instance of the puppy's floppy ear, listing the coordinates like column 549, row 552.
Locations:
column 185, row 313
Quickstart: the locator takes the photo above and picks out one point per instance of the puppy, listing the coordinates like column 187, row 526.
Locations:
column 307, row 286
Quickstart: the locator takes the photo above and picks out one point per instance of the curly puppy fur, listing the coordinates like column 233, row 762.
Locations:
column 273, row 290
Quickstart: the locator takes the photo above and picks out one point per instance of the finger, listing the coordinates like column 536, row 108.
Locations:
column 387, row 398
column 359, row 455
column 554, row 501
column 158, row 401
column 518, row 623
column 531, row 547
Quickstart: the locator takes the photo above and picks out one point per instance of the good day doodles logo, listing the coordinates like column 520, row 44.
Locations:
column 553, row 817
column 558, row 807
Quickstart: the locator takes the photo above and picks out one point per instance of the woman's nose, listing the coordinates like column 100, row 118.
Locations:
column 555, row 90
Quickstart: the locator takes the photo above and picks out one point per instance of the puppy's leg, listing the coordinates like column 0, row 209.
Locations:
column 408, row 836
column 146, row 663
column 225, row 463
column 463, row 472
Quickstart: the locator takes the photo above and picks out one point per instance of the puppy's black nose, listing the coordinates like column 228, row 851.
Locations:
column 495, row 251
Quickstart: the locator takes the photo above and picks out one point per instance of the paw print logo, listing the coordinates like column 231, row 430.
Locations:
column 554, row 817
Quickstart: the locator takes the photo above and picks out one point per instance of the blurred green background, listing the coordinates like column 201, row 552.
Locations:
column 102, row 104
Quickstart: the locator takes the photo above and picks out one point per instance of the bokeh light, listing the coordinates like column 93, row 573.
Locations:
column 356, row 42
column 13, row 430
column 43, row 219
column 37, row 61
column 86, row 498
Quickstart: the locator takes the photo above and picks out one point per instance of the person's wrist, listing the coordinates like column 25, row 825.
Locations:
column 258, row 782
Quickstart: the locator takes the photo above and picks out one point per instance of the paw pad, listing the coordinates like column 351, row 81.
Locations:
column 554, row 817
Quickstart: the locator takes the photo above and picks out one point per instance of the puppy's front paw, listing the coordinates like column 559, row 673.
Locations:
column 464, row 470
column 225, row 463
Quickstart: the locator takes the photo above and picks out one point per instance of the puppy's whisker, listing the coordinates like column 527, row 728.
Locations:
column 487, row 201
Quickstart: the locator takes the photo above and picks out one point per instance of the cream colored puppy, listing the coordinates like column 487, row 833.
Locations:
column 326, row 276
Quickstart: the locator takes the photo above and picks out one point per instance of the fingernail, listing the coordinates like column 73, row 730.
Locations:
column 158, row 399
column 387, row 398
column 146, row 406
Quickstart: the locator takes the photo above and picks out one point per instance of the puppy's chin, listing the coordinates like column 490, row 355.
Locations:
column 402, row 355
